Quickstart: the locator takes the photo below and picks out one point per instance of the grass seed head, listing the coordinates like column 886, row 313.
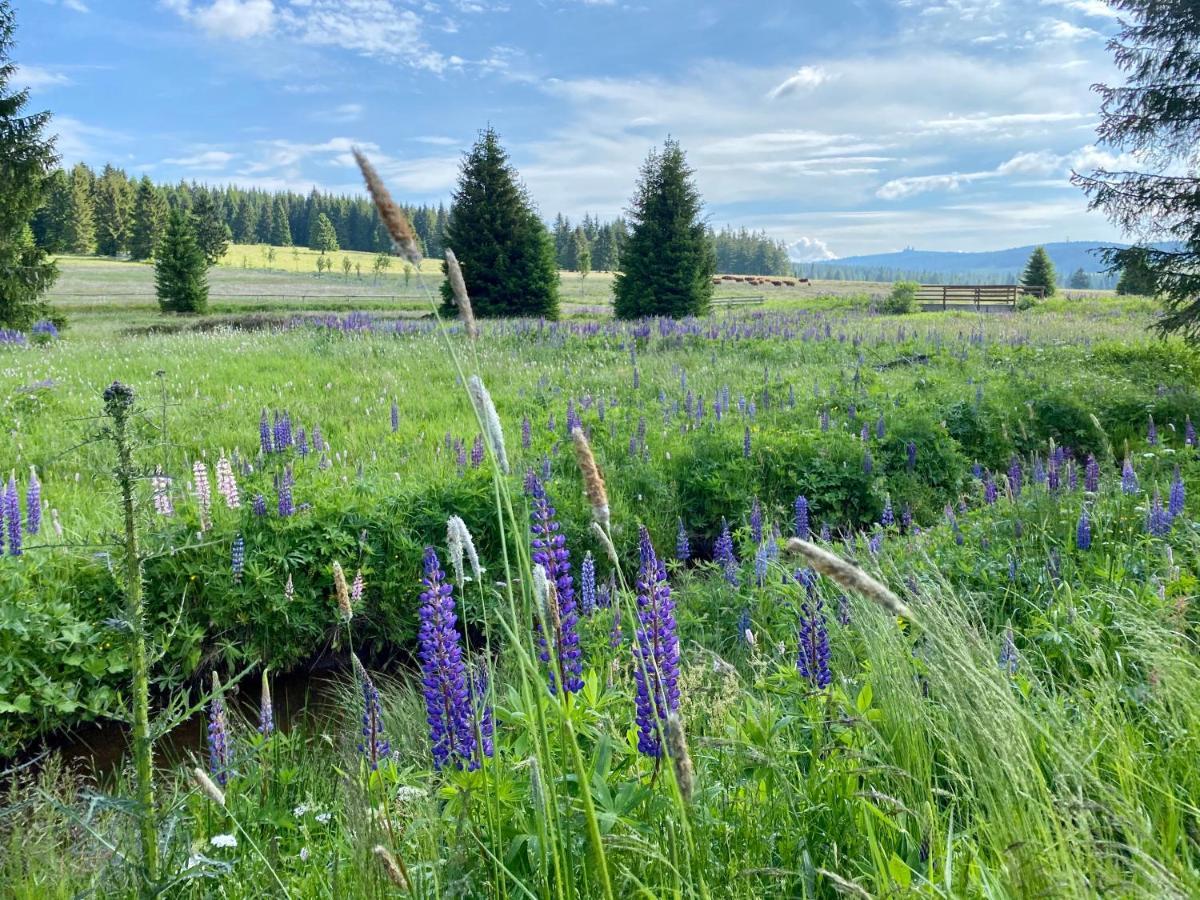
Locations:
column 394, row 220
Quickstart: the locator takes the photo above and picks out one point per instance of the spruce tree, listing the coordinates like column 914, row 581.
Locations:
column 26, row 156
column 504, row 249
column 668, row 261
column 322, row 237
column 80, row 230
column 1153, row 116
column 281, row 230
column 180, row 270
column 582, row 253
column 148, row 215
column 1039, row 271
column 113, row 202
column 1137, row 277
column 563, row 242
column 50, row 222
column 212, row 234
column 1079, row 280
column 245, row 222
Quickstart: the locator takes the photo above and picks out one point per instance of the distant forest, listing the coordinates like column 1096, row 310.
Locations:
column 114, row 215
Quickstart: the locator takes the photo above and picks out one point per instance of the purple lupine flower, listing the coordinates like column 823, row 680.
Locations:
column 762, row 559
column 1151, row 432
column 825, row 419
column 1175, row 499
column 318, row 442
column 1072, row 475
column 746, row 443
column 264, row 434
column 477, row 452
column 266, row 710
column 879, row 429
column 33, row 502
column 1012, row 568
column 724, row 556
column 683, row 547
column 875, row 543
column 1039, row 472
column 573, row 420
column 237, row 558
column 550, row 423
column 549, row 548
column 744, row 624
column 357, row 588
column 888, row 518
column 258, row 505
column 301, row 441
column 1129, row 479
column 1158, row 521
column 1008, row 653
column 843, row 610
column 160, row 486
column 910, row 450
column 526, row 433
column 868, row 463
column 756, row 522
column 906, row 517
column 614, row 633
column 801, row 519
column 460, row 455
column 976, row 469
column 220, row 755
column 1052, row 477
column 1189, row 432
column 587, row 584
column 989, row 489
column 374, row 745
column 865, row 434
column 655, row 652
column 825, row 532
column 444, row 674
column 1083, row 531
column 12, row 516
column 812, row 661
column 395, row 417
column 284, row 482
column 1091, row 475
column 1014, row 476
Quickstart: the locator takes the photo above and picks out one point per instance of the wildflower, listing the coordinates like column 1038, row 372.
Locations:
column 1014, row 477
column 875, row 543
column 458, row 543
column 264, row 434
column 1151, row 432
column 1158, row 522
column 289, row 590
column 1083, row 531
column 1189, row 432
column 879, row 429
column 287, row 505
column 1175, row 499
column 160, row 486
column 825, row 535
column 324, row 818
column 888, row 518
column 301, row 442
column 12, row 515
column 910, row 450
column 756, row 522
column 342, row 590
column 587, row 584
column 447, row 703
column 550, row 552
column 357, row 587
column 237, row 561
column 761, row 561
column 812, row 661
column 527, row 432
column 1091, row 475
column 843, row 610
column 868, row 462
column 656, row 650
column 33, row 503
column 614, row 633
column 1008, row 653
column 483, row 721
column 724, row 555
column 374, row 746
column 223, row 841
column 486, row 411
column 1129, row 479
column 266, row 712
column 801, row 519
column 477, row 452
column 219, row 751
column 395, row 417
column 258, row 505
column 203, row 492
column 683, row 547
column 226, row 484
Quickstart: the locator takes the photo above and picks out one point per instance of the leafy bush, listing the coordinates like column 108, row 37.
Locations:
column 901, row 300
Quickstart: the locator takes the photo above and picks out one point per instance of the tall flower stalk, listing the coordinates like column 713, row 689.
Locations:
column 655, row 650
column 560, row 650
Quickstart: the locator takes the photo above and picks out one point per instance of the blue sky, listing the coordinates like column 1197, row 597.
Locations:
column 854, row 126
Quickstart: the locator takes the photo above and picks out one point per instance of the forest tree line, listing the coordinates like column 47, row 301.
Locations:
column 111, row 214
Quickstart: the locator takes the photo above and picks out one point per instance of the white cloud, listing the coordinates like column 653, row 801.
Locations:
column 910, row 186
column 236, row 20
column 37, row 78
column 809, row 249
column 76, row 5
column 981, row 123
column 346, row 112
column 204, row 160
column 1059, row 30
column 1096, row 8
column 805, row 78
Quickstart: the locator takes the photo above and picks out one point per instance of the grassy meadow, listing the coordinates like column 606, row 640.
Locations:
column 734, row 724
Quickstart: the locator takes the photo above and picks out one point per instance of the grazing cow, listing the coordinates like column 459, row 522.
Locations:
column 802, row 281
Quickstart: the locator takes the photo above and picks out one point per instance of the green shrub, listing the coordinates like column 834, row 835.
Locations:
column 901, row 300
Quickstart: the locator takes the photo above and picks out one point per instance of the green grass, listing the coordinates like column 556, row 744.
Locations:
column 924, row 768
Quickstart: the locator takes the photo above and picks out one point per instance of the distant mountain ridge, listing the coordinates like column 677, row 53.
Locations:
column 985, row 267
